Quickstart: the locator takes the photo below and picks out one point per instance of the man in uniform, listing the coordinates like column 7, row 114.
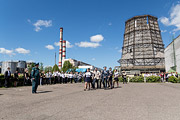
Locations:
column 35, row 75
column 7, row 76
column 110, row 77
column 105, row 77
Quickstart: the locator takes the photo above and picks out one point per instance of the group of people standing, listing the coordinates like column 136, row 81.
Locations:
column 103, row 77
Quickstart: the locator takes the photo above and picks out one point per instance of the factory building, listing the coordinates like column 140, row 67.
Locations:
column 79, row 64
column 143, row 48
column 172, row 55
column 14, row 65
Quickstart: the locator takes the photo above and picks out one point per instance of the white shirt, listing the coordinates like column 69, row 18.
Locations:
column 88, row 74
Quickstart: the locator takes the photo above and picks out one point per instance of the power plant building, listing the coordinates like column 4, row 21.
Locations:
column 172, row 55
column 143, row 48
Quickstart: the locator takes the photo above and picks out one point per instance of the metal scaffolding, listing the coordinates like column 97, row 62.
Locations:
column 143, row 47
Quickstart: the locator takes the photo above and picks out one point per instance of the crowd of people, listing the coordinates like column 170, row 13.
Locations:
column 95, row 79
column 164, row 75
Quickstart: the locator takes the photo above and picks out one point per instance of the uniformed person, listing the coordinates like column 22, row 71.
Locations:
column 110, row 74
column 105, row 77
column 124, row 75
column 35, row 75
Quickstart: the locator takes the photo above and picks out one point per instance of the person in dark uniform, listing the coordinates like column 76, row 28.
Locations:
column 101, row 79
column 35, row 75
column 7, row 76
column 110, row 74
column 16, row 78
column 105, row 77
column 87, row 77
column 124, row 75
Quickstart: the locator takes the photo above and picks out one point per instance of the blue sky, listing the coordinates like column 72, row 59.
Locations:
column 30, row 28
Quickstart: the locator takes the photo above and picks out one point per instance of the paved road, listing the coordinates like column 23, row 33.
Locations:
column 134, row 101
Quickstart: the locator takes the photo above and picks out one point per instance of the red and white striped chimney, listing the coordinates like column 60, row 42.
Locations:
column 60, row 48
column 64, row 50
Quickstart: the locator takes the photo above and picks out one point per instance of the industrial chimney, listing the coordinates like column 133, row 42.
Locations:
column 60, row 48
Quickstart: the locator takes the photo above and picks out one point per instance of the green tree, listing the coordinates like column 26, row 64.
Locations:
column 48, row 68
column 30, row 68
column 55, row 68
column 41, row 67
column 67, row 65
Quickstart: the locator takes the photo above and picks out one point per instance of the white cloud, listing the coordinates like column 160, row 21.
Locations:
column 116, row 48
column 93, row 59
column 5, row 51
column 120, row 51
column 40, row 23
column 88, row 44
column 56, row 43
column 22, row 51
column 96, row 38
column 163, row 31
column 50, row 47
column 29, row 21
column 165, row 20
column 110, row 24
column 174, row 19
column 68, row 44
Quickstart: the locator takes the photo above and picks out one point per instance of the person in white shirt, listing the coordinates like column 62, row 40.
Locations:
column 71, row 77
column 116, row 75
column 96, row 77
column 87, row 77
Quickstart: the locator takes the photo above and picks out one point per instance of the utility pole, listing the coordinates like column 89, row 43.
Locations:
column 55, row 58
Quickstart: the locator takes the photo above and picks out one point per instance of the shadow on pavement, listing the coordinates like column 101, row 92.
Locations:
column 44, row 91
column 1, row 94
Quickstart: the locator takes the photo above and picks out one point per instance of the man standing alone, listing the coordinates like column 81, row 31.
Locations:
column 35, row 75
column 7, row 77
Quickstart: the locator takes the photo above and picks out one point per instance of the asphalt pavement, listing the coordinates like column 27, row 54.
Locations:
column 133, row 101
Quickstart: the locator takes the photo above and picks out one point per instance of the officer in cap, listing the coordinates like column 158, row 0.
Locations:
column 105, row 77
column 35, row 75
column 110, row 78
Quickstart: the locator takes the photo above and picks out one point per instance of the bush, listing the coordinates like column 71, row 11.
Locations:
column 173, row 79
column 137, row 79
column 153, row 79
column 120, row 79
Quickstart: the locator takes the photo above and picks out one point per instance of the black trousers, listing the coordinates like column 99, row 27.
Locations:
column 7, row 80
column 124, row 80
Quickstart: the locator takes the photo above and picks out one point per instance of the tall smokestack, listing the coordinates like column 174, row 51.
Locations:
column 60, row 48
column 64, row 50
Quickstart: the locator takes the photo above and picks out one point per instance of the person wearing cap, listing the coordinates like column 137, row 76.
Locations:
column 7, row 76
column 35, row 75
column 105, row 77
column 110, row 74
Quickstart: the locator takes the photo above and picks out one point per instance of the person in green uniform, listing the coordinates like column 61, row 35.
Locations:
column 35, row 75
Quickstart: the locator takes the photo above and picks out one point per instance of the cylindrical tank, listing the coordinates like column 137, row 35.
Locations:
column 21, row 64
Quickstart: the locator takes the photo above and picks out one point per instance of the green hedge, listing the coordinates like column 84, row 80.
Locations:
column 153, row 79
column 137, row 79
column 174, row 79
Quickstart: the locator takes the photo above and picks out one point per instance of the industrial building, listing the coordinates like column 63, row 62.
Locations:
column 14, row 65
column 79, row 64
column 143, row 48
column 172, row 55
